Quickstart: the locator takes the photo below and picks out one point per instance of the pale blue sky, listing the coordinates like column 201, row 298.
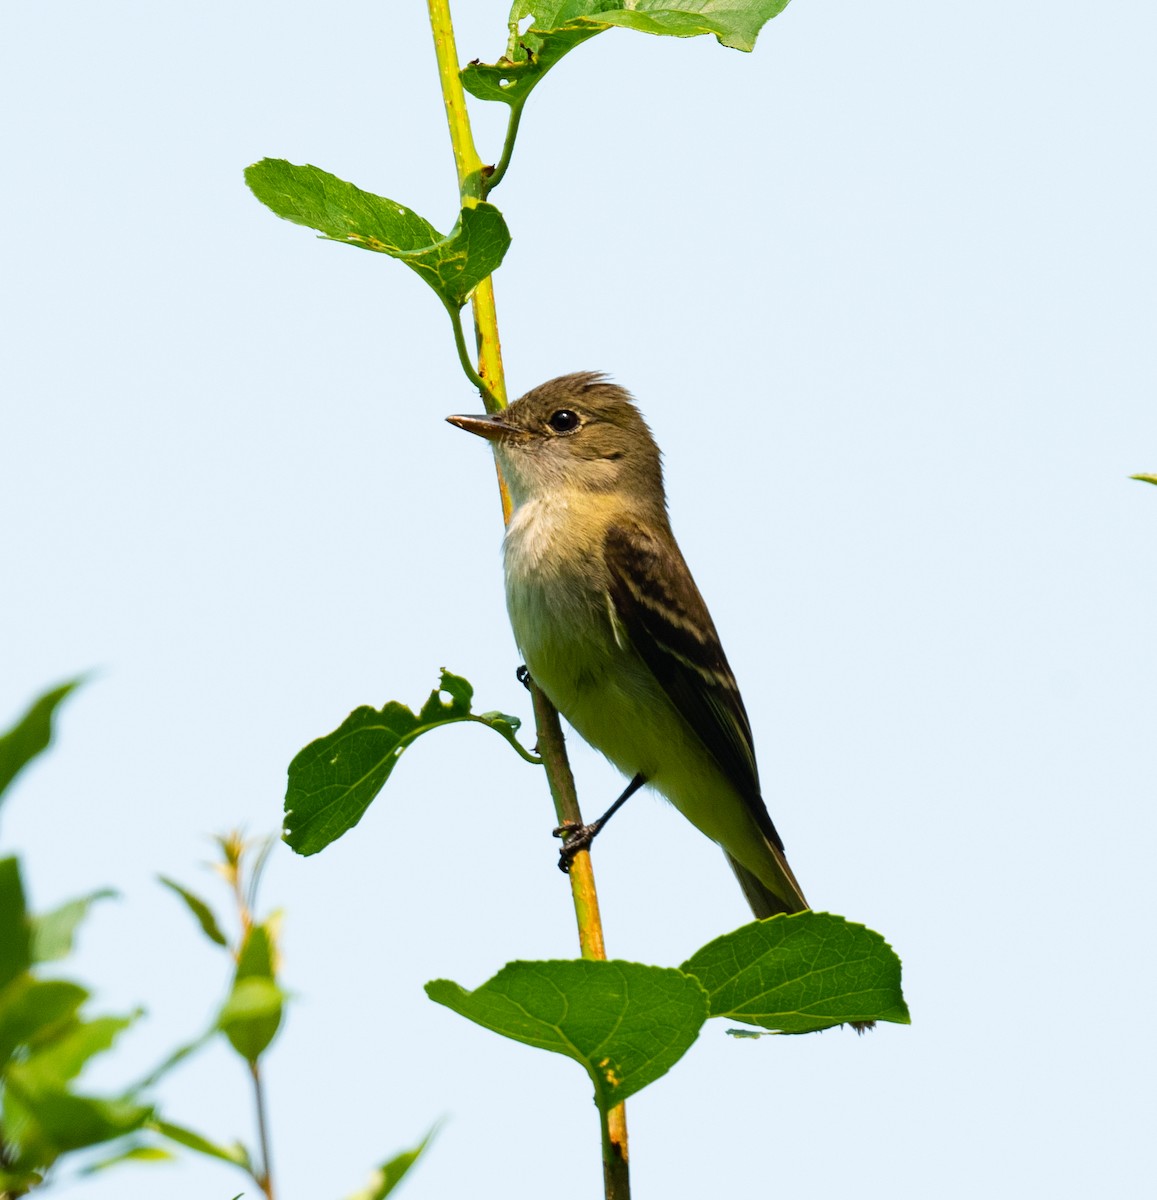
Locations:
column 886, row 291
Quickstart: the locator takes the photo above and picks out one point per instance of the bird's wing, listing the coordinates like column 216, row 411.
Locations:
column 662, row 613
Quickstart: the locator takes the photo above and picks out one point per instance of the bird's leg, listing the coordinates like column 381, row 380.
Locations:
column 579, row 837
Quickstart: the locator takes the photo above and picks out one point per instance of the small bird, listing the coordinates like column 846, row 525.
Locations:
column 612, row 627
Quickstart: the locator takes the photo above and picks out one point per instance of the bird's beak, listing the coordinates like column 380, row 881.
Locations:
column 490, row 427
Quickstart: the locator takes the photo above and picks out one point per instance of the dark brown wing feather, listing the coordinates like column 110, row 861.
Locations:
column 660, row 608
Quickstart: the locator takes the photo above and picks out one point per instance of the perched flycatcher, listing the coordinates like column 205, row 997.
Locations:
column 612, row 626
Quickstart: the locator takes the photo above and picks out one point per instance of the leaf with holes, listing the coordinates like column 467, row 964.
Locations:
column 333, row 780
column 510, row 81
column 561, row 25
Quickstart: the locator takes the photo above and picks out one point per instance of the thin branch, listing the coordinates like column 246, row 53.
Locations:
column 466, row 158
column 494, row 178
column 472, row 186
column 552, row 747
column 488, row 397
column 264, row 1179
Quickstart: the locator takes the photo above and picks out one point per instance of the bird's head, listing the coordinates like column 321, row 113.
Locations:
column 575, row 433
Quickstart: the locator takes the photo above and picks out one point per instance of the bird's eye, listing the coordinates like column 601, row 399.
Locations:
column 563, row 421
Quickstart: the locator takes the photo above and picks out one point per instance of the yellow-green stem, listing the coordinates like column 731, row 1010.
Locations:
column 550, row 740
column 466, row 158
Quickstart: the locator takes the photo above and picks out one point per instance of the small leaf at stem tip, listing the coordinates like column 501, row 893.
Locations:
column 32, row 734
column 453, row 264
column 801, row 973
column 334, row 779
column 1145, row 478
column 628, row 1024
column 561, row 25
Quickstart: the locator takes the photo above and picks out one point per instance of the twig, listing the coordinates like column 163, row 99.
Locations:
column 472, row 187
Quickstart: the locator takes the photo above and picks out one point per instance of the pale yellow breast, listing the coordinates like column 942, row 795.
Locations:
column 563, row 620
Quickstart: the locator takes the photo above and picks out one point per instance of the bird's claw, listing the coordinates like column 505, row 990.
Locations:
column 575, row 837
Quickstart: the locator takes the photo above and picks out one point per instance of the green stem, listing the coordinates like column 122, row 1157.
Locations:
column 488, row 397
column 491, row 181
column 457, row 117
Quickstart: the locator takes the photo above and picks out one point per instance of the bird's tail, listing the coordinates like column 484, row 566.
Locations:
column 788, row 898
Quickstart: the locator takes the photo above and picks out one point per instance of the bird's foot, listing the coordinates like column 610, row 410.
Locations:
column 575, row 837
column 523, row 676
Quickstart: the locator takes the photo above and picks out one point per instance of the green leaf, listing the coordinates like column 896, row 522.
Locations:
column 390, row 1174
column 191, row 1140
column 53, row 933
column 15, row 929
column 1145, row 478
column 453, row 265
column 628, row 1024
column 53, row 1121
column 136, row 1153
column 19, row 1182
column 34, row 1012
column 259, row 952
column 32, row 734
column 511, row 81
column 333, row 780
column 252, row 1014
column 561, row 25
column 800, row 973
column 199, row 909
column 736, row 23
column 65, row 1057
